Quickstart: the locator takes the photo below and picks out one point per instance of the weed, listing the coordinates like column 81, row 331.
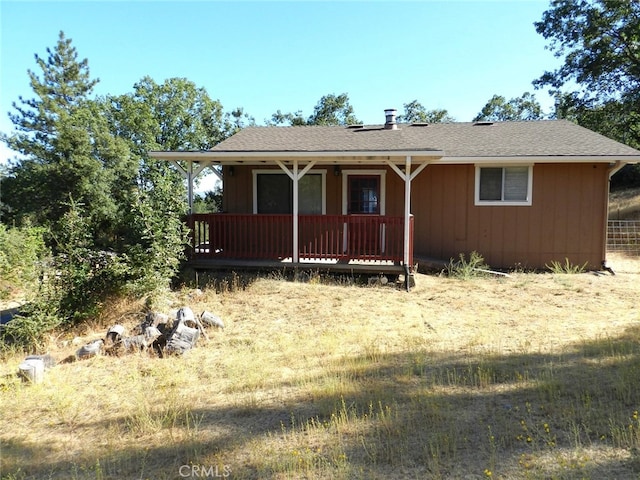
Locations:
column 567, row 267
column 465, row 269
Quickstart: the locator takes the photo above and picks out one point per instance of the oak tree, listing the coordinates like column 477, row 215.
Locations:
column 598, row 83
column 414, row 112
column 499, row 109
column 331, row 109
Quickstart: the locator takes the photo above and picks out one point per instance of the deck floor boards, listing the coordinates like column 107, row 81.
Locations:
column 374, row 267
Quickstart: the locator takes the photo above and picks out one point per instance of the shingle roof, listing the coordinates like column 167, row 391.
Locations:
column 499, row 139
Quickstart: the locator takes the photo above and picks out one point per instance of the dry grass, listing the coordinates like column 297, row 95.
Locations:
column 625, row 204
column 529, row 377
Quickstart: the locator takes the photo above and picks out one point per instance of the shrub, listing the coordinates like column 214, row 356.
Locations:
column 82, row 275
column 160, row 240
column 22, row 252
column 28, row 329
column 74, row 283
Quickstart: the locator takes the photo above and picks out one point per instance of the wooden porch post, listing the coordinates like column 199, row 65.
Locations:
column 190, row 174
column 295, row 177
column 407, row 176
column 407, row 208
column 296, row 254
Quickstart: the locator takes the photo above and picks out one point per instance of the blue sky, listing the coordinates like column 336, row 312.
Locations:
column 265, row 55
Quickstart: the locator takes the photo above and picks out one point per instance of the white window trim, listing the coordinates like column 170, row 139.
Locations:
column 321, row 172
column 383, row 190
column 503, row 203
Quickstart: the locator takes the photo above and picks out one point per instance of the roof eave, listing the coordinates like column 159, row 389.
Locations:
column 233, row 155
column 539, row 159
column 435, row 156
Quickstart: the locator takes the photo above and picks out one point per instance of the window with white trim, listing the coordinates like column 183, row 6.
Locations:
column 503, row 185
column 273, row 192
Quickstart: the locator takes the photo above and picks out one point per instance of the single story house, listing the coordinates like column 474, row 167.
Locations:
column 381, row 198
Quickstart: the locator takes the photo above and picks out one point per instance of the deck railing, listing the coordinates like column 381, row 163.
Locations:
column 320, row 237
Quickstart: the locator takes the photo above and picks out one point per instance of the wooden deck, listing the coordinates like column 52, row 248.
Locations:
column 355, row 267
column 368, row 244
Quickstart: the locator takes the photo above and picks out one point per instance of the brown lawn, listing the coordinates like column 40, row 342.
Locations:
column 531, row 376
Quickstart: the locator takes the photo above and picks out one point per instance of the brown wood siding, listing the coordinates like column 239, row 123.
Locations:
column 566, row 218
column 238, row 189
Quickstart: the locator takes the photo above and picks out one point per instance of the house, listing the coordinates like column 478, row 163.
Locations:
column 381, row 198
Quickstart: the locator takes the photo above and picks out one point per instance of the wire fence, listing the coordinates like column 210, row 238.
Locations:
column 623, row 236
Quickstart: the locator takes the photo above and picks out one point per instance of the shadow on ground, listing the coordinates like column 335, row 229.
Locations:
column 423, row 414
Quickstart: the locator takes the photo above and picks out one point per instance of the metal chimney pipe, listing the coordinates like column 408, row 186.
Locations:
column 390, row 119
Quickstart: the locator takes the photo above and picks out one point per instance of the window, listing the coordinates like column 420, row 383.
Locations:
column 503, row 185
column 364, row 195
column 310, row 198
column 273, row 193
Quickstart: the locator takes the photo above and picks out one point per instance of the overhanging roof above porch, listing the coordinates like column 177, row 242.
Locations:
column 331, row 157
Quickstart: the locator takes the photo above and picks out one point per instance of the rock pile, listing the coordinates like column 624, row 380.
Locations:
column 156, row 334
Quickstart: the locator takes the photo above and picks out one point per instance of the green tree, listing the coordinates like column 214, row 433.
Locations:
column 67, row 151
column 237, row 119
column 598, row 84
column 79, row 181
column 498, row 109
column 73, row 173
column 209, row 202
column 414, row 112
column 613, row 118
column 22, row 254
column 599, row 42
column 293, row 119
column 331, row 109
column 175, row 115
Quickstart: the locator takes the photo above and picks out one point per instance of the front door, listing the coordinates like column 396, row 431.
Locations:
column 363, row 195
column 364, row 230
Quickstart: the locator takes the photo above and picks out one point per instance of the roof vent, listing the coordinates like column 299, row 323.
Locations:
column 390, row 119
column 420, row 124
column 358, row 125
column 482, row 123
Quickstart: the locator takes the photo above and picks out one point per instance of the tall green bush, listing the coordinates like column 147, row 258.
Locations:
column 161, row 237
column 73, row 283
column 82, row 275
column 22, row 255
column 113, row 217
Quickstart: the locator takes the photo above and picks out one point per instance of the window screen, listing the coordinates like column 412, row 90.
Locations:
column 310, row 195
column 516, row 183
column 504, row 184
column 490, row 184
